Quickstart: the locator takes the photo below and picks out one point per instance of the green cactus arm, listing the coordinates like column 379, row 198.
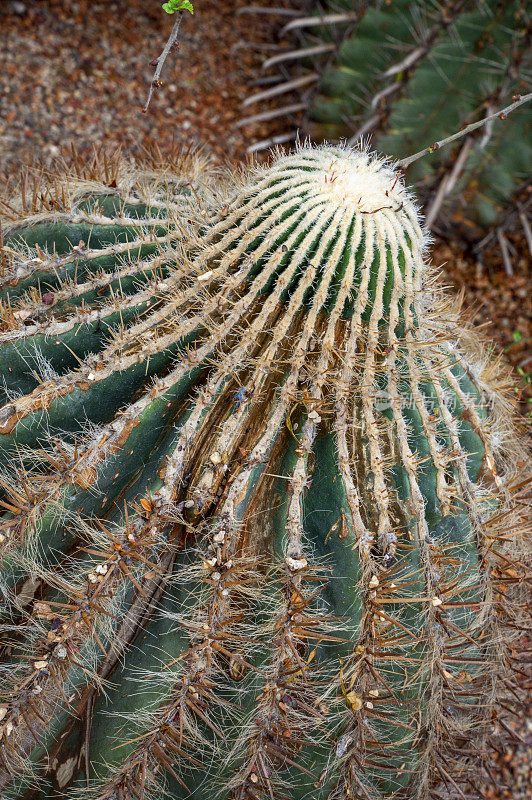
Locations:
column 78, row 628
column 67, row 735
column 406, row 73
column 485, row 41
column 65, row 330
column 60, row 353
column 113, row 205
column 373, row 55
column 93, row 397
column 75, row 292
column 211, row 649
column 142, row 202
column 35, row 268
column 89, row 483
column 46, row 285
column 51, row 522
column 64, row 235
column 140, row 542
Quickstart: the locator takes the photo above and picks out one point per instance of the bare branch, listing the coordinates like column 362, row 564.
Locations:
column 519, row 100
column 526, row 227
column 156, row 81
column 503, row 244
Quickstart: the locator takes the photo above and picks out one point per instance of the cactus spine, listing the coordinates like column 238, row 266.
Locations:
column 268, row 524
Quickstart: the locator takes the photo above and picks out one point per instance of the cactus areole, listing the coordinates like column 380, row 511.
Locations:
column 260, row 526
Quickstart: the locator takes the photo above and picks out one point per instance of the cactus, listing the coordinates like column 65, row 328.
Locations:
column 263, row 538
column 406, row 73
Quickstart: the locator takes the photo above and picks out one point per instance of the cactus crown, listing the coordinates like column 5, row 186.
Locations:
column 275, row 493
column 330, row 209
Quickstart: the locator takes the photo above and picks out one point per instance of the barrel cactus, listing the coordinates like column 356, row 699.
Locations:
column 404, row 74
column 262, row 520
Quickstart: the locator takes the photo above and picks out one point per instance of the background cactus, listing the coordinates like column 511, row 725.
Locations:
column 406, row 73
column 262, row 540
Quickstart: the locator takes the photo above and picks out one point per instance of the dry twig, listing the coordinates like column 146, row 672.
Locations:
column 172, row 40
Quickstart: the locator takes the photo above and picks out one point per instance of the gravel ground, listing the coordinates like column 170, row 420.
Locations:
column 79, row 72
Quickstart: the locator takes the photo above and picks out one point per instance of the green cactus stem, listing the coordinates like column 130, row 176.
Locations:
column 272, row 549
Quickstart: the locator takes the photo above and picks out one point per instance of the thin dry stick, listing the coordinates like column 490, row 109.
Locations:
column 156, row 82
column 519, row 100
